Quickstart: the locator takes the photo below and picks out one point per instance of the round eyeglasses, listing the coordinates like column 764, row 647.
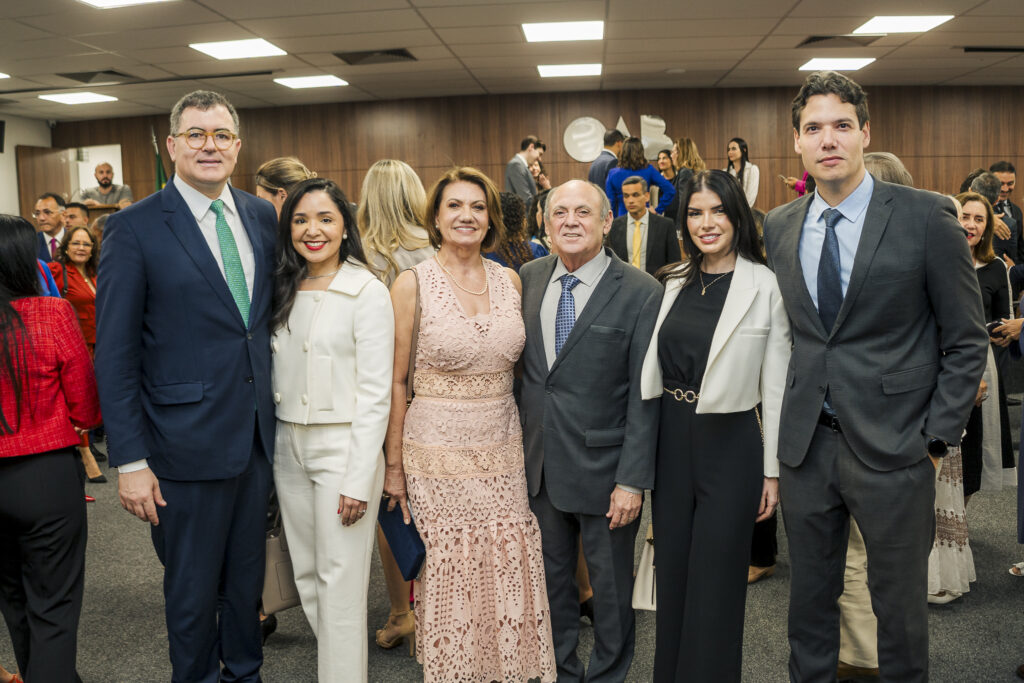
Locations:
column 196, row 138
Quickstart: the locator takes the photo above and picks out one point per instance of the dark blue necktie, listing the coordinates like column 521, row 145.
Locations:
column 830, row 287
column 565, row 317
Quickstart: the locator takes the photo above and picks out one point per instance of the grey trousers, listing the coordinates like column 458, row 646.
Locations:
column 609, row 556
column 896, row 516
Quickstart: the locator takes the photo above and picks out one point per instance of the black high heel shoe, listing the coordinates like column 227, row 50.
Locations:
column 268, row 626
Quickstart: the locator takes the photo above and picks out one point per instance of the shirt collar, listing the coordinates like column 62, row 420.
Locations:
column 198, row 203
column 588, row 273
column 643, row 219
column 855, row 204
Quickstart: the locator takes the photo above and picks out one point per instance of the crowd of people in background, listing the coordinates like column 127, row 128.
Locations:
column 512, row 371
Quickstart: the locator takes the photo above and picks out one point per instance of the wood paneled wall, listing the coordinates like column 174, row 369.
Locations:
column 939, row 133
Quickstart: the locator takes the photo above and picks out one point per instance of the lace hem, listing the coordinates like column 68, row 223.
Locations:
column 469, row 462
column 463, row 387
column 481, row 607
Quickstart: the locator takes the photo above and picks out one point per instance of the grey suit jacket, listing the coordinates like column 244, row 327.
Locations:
column 519, row 180
column 908, row 349
column 586, row 426
column 662, row 243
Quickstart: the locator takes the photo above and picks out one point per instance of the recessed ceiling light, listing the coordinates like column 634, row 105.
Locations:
column 5, row 75
column 239, row 49
column 78, row 98
column 836, row 64
column 903, row 24
column 563, row 30
column 311, row 81
column 560, row 70
column 107, row 4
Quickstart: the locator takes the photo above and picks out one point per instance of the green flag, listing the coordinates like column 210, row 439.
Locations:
column 161, row 176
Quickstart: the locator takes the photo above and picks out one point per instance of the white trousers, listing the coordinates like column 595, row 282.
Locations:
column 331, row 561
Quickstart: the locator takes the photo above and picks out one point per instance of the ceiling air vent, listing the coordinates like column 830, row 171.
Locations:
column 376, row 57
column 986, row 48
column 840, row 41
column 107, row 77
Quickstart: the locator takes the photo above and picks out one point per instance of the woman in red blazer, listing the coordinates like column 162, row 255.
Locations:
column 74, row 271
column 47, row 395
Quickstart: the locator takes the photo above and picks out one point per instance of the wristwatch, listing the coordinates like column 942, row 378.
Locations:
column 937, row 448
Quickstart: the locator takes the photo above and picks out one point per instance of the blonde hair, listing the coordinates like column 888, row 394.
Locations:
column 281, row 174
column 689, row 157
column 391, row 206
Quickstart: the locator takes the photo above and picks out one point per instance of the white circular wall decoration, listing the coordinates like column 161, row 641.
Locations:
column 584, row 138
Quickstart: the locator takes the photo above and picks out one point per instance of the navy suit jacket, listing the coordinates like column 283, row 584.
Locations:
column 42, row 248
column 183, row 382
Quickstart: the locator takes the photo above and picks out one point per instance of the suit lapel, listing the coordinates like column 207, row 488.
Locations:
column 788, row 266
column 737, row 303
column 617, row 237
column 533, row 294
column 183, row 225
column 247, row 213
column 875, row 222
column 606, row 289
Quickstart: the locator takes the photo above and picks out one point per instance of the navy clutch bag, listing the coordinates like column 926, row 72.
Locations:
column 404, row 540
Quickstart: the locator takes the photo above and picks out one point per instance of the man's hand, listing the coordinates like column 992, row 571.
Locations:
column 1001, row 231
column 140, row 494
column 625, row 507
column 351, row 510
column 982, row 393
column 123, row 203
column 90, row 202
column 1008, row 332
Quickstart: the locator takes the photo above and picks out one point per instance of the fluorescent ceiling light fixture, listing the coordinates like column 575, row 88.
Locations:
column 836, row 64
column 903, row 24
column 311, row 81
column 78, row 98
column 563, row 30
column 239, row 49
column 560, row 70
column 5, row 75
column 107, row 4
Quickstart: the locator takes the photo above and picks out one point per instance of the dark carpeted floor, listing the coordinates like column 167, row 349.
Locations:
column 122, row 637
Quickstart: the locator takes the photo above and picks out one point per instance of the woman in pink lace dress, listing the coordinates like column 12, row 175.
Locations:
column 481, row 607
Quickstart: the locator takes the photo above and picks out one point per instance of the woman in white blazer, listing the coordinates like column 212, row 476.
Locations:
column 333, row 352
column 720, row 349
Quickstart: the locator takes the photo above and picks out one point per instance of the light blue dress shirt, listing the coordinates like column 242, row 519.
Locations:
column 848, row 231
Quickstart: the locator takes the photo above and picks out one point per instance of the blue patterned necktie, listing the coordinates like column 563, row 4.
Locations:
column 232, row 261
column 830, row 287
column 565, row 318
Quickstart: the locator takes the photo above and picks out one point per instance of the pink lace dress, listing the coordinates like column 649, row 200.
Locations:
column 481, row 605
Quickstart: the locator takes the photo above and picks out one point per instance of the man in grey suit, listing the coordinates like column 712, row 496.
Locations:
column 640, row 227
column 518, row 178
column 588, row 436
column 888, row 349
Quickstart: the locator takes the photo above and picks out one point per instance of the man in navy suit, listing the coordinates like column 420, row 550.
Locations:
column 49, row 215
column 183, row 362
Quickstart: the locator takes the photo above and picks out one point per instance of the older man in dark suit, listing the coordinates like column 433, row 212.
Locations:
column 889, row 345
column 588, row 435
column 183, row 364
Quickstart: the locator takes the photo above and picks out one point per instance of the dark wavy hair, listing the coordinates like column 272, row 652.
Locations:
column 291, row 267
column 535, row 230
column 745, row 240
column 94, row 258
column 19, row 278
column 632, row 155
column 744, row 157
column 514, row 248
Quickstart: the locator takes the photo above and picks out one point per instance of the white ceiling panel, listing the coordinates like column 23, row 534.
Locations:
column 388, row 40
column 254, row 9
column 77, row 19
column 478, row 14
column 831, row 8
column 658, row 10
column 340, row 24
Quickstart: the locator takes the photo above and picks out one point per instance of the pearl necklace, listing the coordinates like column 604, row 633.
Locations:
column 459, row 284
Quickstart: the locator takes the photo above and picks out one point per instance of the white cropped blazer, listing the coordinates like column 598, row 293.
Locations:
column 339, row 370
column 749, row 353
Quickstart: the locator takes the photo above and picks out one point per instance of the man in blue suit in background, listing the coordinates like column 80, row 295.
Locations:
column 183, row 363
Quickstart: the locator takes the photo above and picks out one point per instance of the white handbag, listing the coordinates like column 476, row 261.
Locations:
column 645, row 589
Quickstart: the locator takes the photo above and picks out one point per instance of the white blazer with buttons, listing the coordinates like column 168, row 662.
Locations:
column 749, row 353
column 339, row 370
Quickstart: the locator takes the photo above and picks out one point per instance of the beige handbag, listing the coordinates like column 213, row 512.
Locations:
column 645, row 589
column 279, row 590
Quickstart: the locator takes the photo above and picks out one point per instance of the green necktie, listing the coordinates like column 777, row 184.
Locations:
column 232, row 261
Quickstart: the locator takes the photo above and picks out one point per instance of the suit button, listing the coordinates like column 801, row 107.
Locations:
column 277, row 398
column 249, row 379
column 305, row 346
column 316, row 297
column 249, row 337
column 305, row 399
